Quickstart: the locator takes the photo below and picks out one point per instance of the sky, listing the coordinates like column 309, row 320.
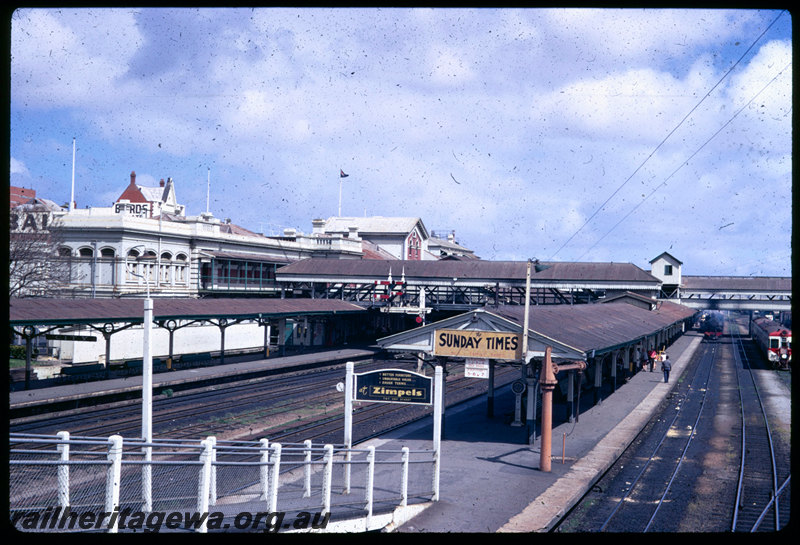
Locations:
column 602, row 135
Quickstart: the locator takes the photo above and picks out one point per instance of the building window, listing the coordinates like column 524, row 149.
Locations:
column 414, row 247
column 165, row 268
column 667, row 270
column 180, row 269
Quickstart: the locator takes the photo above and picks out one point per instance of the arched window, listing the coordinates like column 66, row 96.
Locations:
column 180, row 269
column 165, row 268
column 85, row 252
column 63, row 251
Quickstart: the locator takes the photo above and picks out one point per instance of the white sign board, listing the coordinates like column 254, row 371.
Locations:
column 476, row 368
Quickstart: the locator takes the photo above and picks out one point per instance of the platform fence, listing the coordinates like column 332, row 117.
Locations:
column 77, row 484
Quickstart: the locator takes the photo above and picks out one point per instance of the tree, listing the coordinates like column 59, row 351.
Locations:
column 35, row 268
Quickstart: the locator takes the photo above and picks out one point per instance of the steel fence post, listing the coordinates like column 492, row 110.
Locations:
column 264, row 469
column 147, row 479
column 276, row 472
column 212, row 492
column 437, row 428
column 113, row 475
column 349, row 385
column 404, row 483
column 203, row 484
column 307, row 469
column 326, row 483
column 63, row 470
column 370, row 482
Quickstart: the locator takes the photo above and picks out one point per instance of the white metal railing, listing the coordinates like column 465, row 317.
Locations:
column 59, row 483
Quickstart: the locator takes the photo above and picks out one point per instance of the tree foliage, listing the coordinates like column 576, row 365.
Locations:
column 34, row 267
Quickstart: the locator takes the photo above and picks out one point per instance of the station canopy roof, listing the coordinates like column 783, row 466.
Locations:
column 478, row 272
column 573, row 331
column 55, row 311
column 735, row 283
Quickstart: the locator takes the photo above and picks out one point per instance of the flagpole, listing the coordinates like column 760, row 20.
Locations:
column 72, row 191
column 342, row 175
column 208, row 188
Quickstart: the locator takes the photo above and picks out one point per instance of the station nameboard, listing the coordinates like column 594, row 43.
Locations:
column 497, row 345
column 393, row 386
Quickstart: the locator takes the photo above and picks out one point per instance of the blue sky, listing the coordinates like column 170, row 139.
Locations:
column 563, row 134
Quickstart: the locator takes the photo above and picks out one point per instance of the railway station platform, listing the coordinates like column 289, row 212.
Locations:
column 119, row 387
column 490, row 477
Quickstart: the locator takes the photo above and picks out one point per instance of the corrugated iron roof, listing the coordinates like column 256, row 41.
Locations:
column 374, row 225
column 595, row 327
column 43, row 311
column 734, row 283
column 471, row 269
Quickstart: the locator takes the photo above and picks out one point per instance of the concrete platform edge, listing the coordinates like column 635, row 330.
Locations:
column 544, row 512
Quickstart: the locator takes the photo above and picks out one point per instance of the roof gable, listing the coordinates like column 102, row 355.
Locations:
column 668, row 257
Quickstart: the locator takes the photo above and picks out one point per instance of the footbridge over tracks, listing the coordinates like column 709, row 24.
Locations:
column 413, row 287
column 740, row 293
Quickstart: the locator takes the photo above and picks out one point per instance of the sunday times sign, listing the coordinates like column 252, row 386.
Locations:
column 393, row 386
column 497, row 345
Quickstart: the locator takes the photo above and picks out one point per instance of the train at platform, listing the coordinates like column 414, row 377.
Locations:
column 774, row 340
column 711, row 325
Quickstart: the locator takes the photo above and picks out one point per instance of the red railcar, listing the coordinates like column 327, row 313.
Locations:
column 774, row 340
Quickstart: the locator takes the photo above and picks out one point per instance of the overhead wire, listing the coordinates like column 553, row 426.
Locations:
column 660, row 144
column 686, row 162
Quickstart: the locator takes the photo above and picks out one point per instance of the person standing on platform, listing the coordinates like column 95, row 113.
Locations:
column 666, row 366
column 652, row 358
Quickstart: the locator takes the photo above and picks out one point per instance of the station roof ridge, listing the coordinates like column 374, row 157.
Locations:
column 725, row 282
column 53, row 311
column 471, row 269
column 572, row 330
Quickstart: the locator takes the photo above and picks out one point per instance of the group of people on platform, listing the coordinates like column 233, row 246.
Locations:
column 661, row 357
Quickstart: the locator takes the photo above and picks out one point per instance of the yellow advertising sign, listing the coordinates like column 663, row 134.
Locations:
column 497, row 345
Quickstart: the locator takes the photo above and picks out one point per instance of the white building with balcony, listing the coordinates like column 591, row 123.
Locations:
column 146, row 240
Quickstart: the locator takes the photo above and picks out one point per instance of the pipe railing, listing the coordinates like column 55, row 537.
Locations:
column 259, row 471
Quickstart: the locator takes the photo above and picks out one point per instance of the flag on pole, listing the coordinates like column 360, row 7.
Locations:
column 342, row 174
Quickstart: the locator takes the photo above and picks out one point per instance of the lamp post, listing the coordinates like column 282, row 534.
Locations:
column 147, row 396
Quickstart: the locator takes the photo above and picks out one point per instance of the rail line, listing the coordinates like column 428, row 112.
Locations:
column 189, row 411
column 762, row 481
column 716, row 464
column 668, row 455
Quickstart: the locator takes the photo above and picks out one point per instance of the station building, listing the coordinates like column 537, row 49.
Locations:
column 145, row 241
column 146, row 244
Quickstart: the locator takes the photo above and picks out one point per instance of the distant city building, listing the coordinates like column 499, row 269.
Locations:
column 21, row 195
column 403, row 237
column 145, row 241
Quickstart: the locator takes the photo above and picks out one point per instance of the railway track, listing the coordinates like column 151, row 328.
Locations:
column 762, row 496
column 197, row 412
column 298, row 405
column 705, row 464
column 288, row 394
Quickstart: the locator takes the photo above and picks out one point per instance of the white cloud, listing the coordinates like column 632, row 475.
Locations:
column 510, row 126
column 18, row 167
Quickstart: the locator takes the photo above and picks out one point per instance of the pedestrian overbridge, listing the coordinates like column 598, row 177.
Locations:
column 740, row 293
